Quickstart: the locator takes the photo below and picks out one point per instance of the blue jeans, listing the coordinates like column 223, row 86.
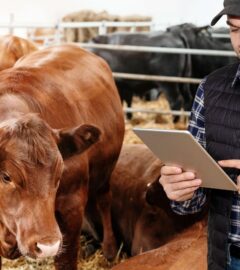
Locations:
column 233, row 263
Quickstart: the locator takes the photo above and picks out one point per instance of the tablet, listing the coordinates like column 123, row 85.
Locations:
column 179, row 148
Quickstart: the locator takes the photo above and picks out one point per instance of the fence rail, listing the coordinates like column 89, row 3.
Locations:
column 164, row 112
column 105, row 23
column 145, row 77
column 220, row 35
column 60, row 25
column 158, row 49
column 101, row 25
column 102, row 29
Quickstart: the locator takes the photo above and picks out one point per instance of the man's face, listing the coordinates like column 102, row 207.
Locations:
column 234, row 24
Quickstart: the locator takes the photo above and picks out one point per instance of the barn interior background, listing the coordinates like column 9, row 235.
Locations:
column 165, row 12
column 43, row 21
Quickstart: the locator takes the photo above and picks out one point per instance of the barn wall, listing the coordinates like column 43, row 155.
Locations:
column 165, row 12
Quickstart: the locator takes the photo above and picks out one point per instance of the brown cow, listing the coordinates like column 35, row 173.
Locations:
column 61, row 122
column 12, row 48
column 186, row 251
column 141, row 225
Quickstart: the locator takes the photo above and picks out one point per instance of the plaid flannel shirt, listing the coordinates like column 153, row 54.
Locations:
column 197, row 128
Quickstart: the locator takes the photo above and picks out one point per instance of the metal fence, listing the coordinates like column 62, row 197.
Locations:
column 102, row 29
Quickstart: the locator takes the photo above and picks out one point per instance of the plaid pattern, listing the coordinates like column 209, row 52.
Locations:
column 197, row 128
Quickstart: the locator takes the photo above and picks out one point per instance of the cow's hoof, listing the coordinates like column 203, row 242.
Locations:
column 110, row 252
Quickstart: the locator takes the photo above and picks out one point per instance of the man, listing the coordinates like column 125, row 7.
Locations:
column 215, row 123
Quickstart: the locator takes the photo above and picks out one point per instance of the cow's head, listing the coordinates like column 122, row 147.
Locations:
column 31, row 165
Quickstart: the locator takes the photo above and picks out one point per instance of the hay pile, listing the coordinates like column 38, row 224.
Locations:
column 151, row 120
column 94, row 262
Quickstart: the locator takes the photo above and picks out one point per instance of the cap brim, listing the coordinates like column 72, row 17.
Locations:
column 217, row 17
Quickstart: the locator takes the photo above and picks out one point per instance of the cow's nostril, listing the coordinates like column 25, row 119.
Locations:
column 37, row 249
column 43, row 250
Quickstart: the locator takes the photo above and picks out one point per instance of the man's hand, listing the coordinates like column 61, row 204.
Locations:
column 178, row 185
column 231, row 163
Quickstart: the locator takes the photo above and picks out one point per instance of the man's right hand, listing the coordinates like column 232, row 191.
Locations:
column 178, row 184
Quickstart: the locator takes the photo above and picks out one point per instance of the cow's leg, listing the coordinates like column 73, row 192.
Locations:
column 187, row 96
column 109, row 241
column 70, row 217
column 67, row 260
column 173, row 96
column 126, row 94
column 129, row 98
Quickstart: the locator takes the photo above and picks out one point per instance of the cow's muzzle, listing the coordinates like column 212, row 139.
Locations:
column 44, row 248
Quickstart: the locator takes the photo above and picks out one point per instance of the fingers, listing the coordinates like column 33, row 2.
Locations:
column 186, row 184
column 230, row 163
column 169, row 170
column 182, row 195
column 183, row 190
column 238, row 183
column 178, row 185
column 186, row 196
column 180, row 177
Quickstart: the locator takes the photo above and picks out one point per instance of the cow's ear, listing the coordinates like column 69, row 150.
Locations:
column 198, row 30
column 76, row 140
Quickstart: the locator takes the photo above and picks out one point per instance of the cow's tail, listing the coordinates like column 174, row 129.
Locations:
column 187, row 70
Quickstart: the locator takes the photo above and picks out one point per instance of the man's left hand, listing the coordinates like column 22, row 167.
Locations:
column 231, row 163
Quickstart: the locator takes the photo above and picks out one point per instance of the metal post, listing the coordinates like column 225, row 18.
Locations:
column 11, row 19
column 133, row 28
column 102, row 29
column 58, row 32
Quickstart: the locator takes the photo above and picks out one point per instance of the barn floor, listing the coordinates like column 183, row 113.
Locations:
column 97, row 261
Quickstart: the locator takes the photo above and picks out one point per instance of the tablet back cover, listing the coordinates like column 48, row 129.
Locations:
column 177, row 147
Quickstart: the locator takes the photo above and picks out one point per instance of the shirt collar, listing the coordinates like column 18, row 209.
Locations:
column 237, row 76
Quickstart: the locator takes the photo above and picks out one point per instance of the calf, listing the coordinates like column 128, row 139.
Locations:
column 186, row 251
column 12, row 48
column 146, row 220
column 61, row 130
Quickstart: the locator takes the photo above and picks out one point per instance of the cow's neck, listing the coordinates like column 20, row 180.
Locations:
column 12, row 107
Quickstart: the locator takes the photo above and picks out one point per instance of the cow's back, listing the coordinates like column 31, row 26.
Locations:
column 69, row 86
column 182, row 252
column 12, row 48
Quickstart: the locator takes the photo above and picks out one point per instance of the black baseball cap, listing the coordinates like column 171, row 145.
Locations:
column 231, row 7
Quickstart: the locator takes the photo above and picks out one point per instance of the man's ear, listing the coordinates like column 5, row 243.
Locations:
column 76, row 140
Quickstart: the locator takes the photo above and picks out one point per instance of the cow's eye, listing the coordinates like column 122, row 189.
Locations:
column 6, row 178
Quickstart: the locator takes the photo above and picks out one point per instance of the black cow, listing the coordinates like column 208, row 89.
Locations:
column 148, row 63
column 201, row 38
